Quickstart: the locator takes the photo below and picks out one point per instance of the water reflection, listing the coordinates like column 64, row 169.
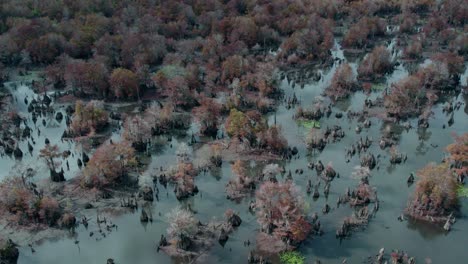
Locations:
column 136, row 243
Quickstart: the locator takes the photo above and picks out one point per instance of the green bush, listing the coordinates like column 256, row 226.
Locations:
column 292, row 257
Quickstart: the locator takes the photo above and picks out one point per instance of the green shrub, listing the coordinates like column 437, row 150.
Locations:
column 292, row 257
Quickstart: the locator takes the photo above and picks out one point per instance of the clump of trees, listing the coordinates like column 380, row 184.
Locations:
column 234, row 66
column 455, row 11
column 458, row 158
column 183, row 175
column 22, row 205
column 435, row 25
column 87, row 78
column 407, row 23
column 101, row 50
column 88, row 118
column 281, row 215
column 208, row 114
column 109, row 165
column 405, row 98
column 252, row 129
column 342, row 84
column 454, row 63
column 364, row 31
column 263, row 79
column 435, row 195
column 272, row 140
column 189, row 238
column 312, row 43
column 460, row 44
column 314, row 113
column 357, row 9
column 241, row 183
column 216, row 158
column 182, row 227
column 124, row 84
column 177, row 84
column 50, row 153
column 163, row 119
column 437, row 76
column 417, row 6
column 315, row 140
column 243, row 126
column 376, row 64
column 137, row 131
column 413, row 50
column 417, row 92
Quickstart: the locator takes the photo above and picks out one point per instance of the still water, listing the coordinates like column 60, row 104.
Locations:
column 136, row 243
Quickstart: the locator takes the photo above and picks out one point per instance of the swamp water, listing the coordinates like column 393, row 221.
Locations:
column 136, row 243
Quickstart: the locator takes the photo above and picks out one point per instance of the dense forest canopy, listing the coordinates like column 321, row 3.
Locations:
column 96, row 46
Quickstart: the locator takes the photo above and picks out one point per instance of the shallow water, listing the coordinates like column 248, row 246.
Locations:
column 53, row 130
column 136, row 243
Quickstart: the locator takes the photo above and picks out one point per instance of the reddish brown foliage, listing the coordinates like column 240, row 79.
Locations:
column 142, row 49
column 435, row 194
column 234, row 67
column 435, row 76
column 19, row 204
column 280, row 212
column 174, row 82
column 446, row 36
column 262, row 79
column 328, row 9
column 49, row 211
column 86, row 31
column 408, row 23
column 241, row 183
column 460, row 44
column 358, row 9
column 184, row 179
column 376, row 64
column 124, row 84
column 455, row 63
column 459, row 154
column 208, row 114
column 87, row 78
column 245, row 29
column 244, row 126
column 89, row 118
column 46, row 48
column 55, row 73
column 49, row 153
column 363, row 31
column 68, row 220
column 405, row 98
column 136, row 130
column 109, row 165
column 273, row 140
column 413, row 50
column 109, row 47
column 313, row 42
column 15, row 196
column 163, row 119
column 343, row 83
column 456, row 12
column 435, row 24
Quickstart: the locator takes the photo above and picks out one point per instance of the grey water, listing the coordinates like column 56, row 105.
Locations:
column 134, row 242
